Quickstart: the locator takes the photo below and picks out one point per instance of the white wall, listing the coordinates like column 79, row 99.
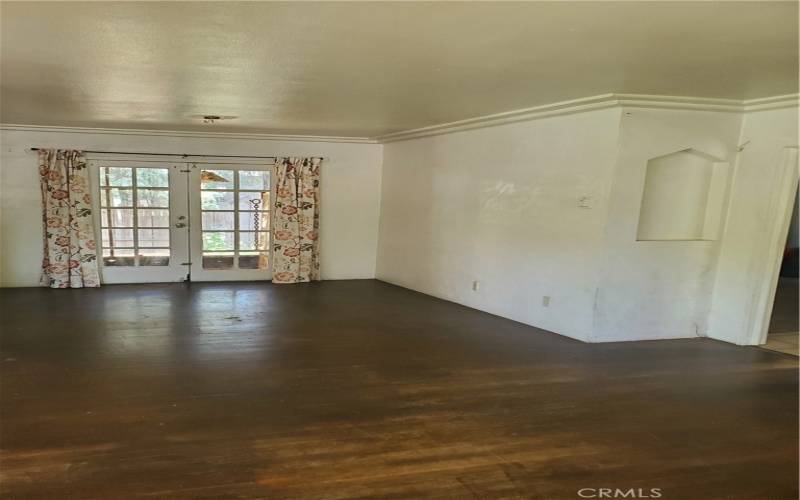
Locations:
column 761, row 200
column 500, row 205
column 350, row 193
column 657, row 289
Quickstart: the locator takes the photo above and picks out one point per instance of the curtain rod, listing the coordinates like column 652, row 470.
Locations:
column 182, row 155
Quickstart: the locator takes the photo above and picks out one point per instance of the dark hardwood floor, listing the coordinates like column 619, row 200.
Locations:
column 359, row 389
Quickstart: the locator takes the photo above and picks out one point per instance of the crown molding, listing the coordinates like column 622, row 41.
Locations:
column 584, row 104
column 593, row 103
column 555, row 109
column 776, row 102
column 678, row 102
column 191, row 134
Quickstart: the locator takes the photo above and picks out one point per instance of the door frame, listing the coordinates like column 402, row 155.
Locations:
column 786, row 188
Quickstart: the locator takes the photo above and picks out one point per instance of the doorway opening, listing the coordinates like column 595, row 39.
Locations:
column 783, row 333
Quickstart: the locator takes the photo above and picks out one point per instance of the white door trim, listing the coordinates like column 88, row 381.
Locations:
column 784, row 193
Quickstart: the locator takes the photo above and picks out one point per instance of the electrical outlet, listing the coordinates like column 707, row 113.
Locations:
column 545, row 300
column 476, row 285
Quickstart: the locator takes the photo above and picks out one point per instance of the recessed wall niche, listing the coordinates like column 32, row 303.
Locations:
column 683, row 198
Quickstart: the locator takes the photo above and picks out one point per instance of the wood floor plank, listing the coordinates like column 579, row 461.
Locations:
column 360, row 389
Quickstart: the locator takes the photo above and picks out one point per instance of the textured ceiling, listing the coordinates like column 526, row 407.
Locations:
column 365, row 69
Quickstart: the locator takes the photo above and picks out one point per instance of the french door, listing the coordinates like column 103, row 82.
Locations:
column 161, row 222
column 142, row 216
column 230, row 228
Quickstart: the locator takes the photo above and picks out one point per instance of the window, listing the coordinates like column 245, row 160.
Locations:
column 235, row 218
column 134, row 216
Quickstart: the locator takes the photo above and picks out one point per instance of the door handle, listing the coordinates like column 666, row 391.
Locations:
column 180, row 224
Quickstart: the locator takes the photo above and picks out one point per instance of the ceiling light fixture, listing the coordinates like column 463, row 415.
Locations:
column 210, row 119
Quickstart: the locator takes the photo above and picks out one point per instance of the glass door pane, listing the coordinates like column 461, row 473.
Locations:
column 127, row 227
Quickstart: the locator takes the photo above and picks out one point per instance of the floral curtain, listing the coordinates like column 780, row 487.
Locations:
column 70, row 260
column 295, row 251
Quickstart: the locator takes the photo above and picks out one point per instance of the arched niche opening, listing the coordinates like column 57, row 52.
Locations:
column 683, row 197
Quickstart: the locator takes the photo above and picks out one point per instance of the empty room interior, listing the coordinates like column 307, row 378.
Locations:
column 399, row 250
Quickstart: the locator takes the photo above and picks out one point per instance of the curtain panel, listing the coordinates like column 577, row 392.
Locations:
column 295, row 251
column 70, row 259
